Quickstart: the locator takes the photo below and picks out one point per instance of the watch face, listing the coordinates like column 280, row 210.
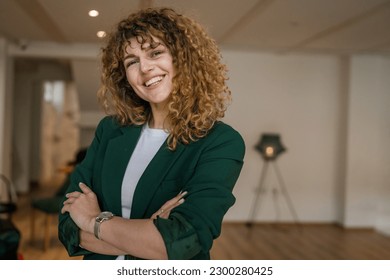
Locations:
column 105, row 214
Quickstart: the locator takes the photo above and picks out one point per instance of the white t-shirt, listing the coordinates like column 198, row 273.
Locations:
column 147, row 146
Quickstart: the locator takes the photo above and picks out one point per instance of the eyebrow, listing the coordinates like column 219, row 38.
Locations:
column 130, row 55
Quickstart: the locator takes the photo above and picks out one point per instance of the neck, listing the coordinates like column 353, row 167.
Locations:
column 156, row 125
column 158, row 120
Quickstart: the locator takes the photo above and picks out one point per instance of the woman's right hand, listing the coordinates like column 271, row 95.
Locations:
column 165, row 210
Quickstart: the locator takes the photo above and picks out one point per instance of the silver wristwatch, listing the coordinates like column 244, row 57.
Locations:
column 103, row 216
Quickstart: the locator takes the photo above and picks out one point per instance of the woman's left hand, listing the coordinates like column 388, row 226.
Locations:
column 165, row 210
column 83, row 207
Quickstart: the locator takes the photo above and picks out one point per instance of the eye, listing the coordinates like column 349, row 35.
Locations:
column 130, row 62
column 156, row 53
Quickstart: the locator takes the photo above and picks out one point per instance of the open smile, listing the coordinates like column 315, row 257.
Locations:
column 154, row 81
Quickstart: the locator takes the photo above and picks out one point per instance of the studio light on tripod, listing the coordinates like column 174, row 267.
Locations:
column 270, row 146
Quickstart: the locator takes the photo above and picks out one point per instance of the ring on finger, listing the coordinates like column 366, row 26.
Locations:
column 161, row 211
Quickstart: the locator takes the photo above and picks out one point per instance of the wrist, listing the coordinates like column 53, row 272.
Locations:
column 91, row 225
column 102, row 217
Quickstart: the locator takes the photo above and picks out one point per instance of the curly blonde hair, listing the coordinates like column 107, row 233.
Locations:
column 199, row 96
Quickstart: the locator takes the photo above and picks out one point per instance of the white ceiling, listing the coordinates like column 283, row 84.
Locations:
column 336, row 26
column 63, row 31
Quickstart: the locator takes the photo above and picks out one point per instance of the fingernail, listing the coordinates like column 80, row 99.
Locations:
column 67, row 195
column 181, row 201
column 184, row 193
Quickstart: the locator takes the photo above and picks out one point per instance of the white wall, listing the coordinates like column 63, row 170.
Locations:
column 298, row 97
column 306, row 98
column 88, row 123
column 3, row 92
column 6, row 101
column 368, row 160
column 383, row 218
column 86, row 73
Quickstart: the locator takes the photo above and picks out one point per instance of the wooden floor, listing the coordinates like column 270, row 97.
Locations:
column 238, row 242
column 306, row 242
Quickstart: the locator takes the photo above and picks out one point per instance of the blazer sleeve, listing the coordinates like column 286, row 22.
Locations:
column 68, row 231
column 192, row 226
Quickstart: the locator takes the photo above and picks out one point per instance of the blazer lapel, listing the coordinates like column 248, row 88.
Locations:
column 152, row 177
column 118, row 152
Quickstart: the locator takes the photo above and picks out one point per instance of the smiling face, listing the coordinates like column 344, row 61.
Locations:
column 149, row 71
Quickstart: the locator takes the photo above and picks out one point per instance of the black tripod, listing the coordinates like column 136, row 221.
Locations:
column 261, row 189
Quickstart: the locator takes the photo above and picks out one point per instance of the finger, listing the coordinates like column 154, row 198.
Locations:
column 69, row 200
column 64, row 209
column 160, row 213
column 173, row 202
column 164, row 212
column 73, row 194
column 163, row 215
column 182, row 194
column 84, row 188
column 171, row 206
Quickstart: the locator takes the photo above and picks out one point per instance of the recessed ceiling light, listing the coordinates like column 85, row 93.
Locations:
column 93, row 13
column 101, row 34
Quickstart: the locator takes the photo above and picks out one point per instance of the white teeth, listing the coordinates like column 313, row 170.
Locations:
column 153, row 81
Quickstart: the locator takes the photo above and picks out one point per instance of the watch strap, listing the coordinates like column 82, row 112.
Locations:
column 96, row 228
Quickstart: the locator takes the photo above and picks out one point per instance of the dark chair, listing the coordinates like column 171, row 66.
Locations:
column 51, row 206
column 9, row 234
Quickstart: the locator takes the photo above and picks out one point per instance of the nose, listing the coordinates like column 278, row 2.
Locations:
column 146, row 65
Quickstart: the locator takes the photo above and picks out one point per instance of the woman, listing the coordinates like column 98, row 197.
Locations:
column 164, row 87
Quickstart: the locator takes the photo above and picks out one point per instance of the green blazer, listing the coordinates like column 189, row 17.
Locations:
column 207, row 169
